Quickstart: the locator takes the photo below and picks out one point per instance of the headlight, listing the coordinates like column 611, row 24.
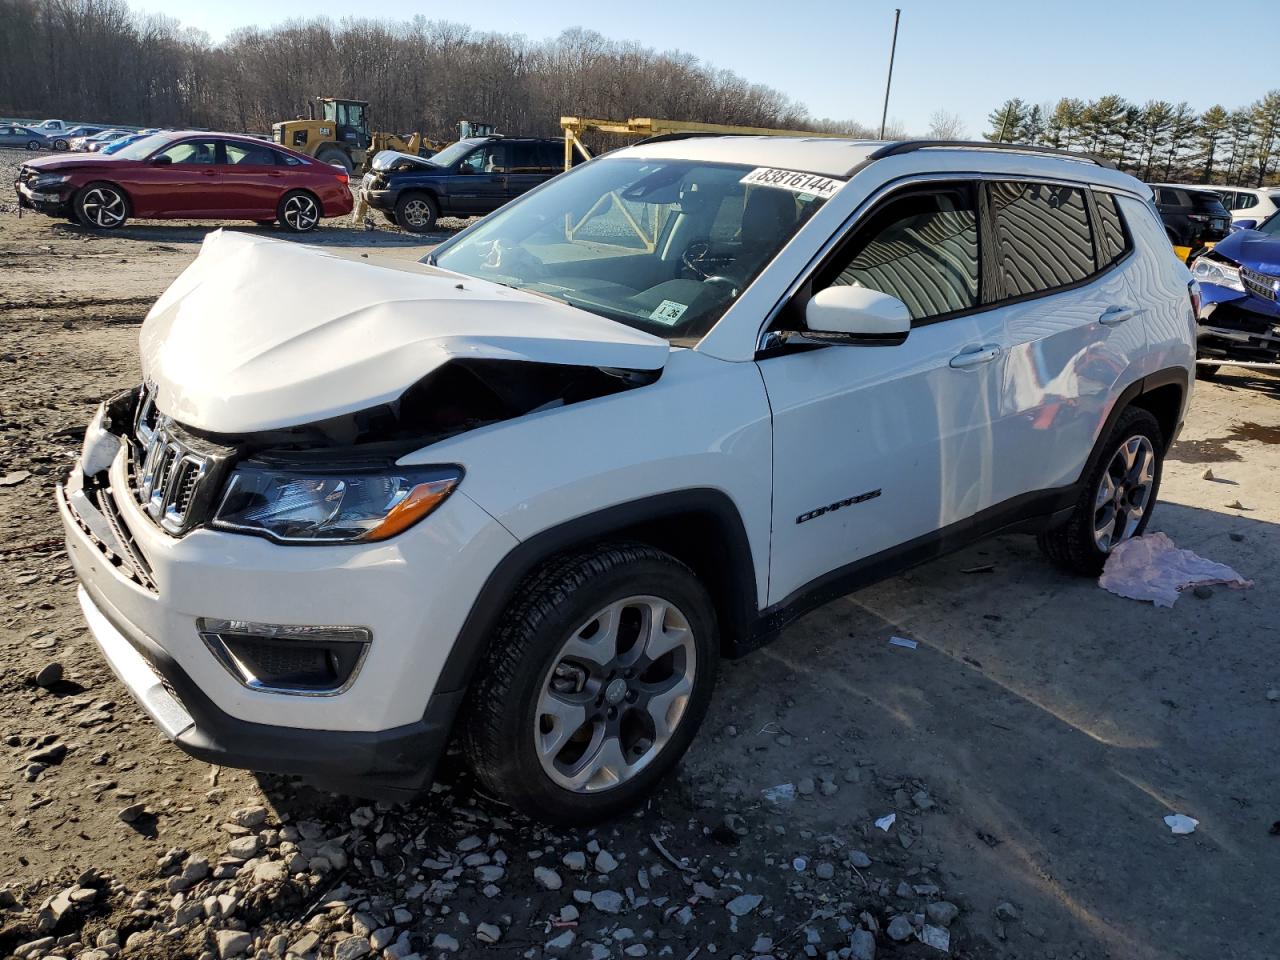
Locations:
column 302, row 506
column 49, row 180
column 1217, row 271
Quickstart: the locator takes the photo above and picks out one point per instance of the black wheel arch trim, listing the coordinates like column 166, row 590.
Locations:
column 1175, row 376
column 737, row 606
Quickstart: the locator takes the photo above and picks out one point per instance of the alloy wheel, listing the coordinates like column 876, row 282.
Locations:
column 300, row 212
column 417, row 213
column 1124, row 493
column 615, row 694
column 104, row 207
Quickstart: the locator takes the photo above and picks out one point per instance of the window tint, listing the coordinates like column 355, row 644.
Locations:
column 523, row 155
column 287, row 159
column 921, row 247
column 191, row 151
column 1169, row 197
column 1245, row 200
column 1044, row 236
column 1115, row 240
column 250, row 155
column 490, row 159
column 550, row 155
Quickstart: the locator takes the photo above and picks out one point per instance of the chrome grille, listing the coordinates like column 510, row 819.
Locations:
column 169, row 477
column 1259, row 284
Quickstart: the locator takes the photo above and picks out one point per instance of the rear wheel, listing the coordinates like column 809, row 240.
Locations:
column 417, row 212
column 595, row 684
column 336, row 157
column 33, row 145
column 299, row 211
column 61, row 144
column 102, row 206
column 1119, row 494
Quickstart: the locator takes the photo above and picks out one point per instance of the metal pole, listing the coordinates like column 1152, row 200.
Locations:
column 889, row 82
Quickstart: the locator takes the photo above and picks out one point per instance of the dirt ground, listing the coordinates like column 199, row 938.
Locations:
column 1029, row 747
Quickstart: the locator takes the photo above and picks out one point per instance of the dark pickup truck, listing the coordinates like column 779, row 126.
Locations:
column 466, row 179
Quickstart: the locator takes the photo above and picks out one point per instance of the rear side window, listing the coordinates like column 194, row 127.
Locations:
column 921, row 247
column 522, row 157
column 1044, row 236
column 550, row 156
column 1114, row 237
column 1169, row 197
column 250, row 155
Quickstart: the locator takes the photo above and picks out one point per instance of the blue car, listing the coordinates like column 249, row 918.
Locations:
column 1239, row 320
column 117, row 145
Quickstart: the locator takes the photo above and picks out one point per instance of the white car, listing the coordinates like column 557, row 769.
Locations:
column 1250, row 203
column 529, row 492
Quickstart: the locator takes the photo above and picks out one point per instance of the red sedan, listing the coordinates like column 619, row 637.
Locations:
column 187, row 176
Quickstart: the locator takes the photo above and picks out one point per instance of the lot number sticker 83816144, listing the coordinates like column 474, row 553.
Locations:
column 811, row 183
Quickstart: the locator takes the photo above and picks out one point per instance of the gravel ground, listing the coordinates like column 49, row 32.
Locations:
column 1027, row 750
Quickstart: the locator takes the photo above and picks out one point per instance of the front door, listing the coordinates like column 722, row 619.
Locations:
column 182, row 180
column 876, row 446
column 481, row 186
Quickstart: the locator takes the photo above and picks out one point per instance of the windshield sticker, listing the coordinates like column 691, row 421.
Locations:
column 812, row 184
column 669, row 312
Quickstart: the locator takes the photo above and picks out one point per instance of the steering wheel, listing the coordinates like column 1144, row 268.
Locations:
column 694, row 257
column 505, row 257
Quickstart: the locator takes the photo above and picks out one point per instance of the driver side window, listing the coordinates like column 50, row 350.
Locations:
column 921, row 247
column 191, row 151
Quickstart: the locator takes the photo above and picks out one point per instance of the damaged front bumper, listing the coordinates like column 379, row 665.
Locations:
column 54, row 202
column 144, row 594
column 1241, row 329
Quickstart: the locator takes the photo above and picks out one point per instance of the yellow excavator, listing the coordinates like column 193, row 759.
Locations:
column 340, row 134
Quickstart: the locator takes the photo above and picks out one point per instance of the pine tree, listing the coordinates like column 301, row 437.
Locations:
column 1266, row 125
column 1005, row 121
column 1031, row 129
column 1212, row 129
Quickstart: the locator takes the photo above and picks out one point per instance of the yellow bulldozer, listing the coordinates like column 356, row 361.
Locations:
column 340, row 134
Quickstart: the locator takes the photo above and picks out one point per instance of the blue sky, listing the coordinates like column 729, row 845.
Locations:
column 963, row 58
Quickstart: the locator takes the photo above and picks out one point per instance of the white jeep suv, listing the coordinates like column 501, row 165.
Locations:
column 528, row 492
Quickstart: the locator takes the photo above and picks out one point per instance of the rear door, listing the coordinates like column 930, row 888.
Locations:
column 528, row 166
column 252, row 182
column 1072, row 323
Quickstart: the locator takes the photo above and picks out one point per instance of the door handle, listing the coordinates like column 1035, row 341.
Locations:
column 1117, row 315
column 974, row 358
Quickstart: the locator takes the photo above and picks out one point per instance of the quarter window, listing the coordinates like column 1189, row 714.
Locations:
column 921, row 247
column 1044, row 234
column 1115, row 241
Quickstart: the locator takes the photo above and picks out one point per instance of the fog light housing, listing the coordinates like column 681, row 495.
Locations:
column 312, row 661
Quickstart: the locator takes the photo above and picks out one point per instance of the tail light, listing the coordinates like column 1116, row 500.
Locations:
column 1193, row 289
column 1198, row 217
column 343, row 178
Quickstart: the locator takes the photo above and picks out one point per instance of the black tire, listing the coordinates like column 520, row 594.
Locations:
column 337, row 158
column 500, row 718
column 417, row 212
column 101, row 206
column 1207, row 371
column 61, row 144
column 299, row 211
column 1072, row 546
column 33, row 145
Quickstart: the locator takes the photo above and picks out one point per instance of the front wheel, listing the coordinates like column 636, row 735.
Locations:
column 596, row 682
column 101, row 206
column 33, row 145
column 298, row 212
column 61, row 144
column 1119, row 494
column 417, row 213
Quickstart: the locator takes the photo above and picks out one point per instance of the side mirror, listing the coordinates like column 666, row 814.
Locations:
column 856, row 315
column 161, row 161
column 1244, row 225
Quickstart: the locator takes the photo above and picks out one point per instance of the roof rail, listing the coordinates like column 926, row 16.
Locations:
column 911, row 146
column 681, row 135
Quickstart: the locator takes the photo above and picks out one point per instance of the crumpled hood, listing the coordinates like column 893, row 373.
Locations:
column 1256, row 250
column 259, row 334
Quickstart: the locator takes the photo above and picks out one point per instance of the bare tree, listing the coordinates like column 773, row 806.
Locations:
column 946, row 126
